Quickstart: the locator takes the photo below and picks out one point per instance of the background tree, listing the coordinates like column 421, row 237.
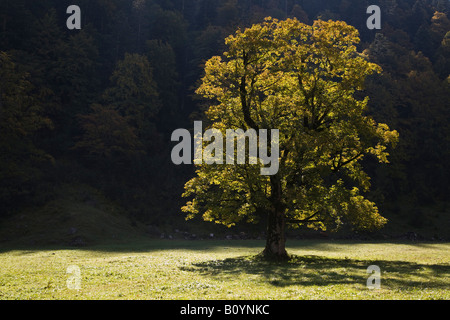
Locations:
column 21, row 117
column 165, row 75
column 107, row 135
column 302, row 80
column 134, row 95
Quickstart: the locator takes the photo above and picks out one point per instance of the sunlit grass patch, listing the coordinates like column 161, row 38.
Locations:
column 228, row 270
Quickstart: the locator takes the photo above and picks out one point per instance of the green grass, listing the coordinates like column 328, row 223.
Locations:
column 227, row 270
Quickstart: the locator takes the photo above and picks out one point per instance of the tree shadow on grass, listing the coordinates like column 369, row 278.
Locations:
column 324, row 271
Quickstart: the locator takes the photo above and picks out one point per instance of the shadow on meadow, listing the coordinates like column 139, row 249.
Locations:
column 323, row 271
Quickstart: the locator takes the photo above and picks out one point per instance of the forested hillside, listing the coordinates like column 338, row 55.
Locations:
column 97, row 106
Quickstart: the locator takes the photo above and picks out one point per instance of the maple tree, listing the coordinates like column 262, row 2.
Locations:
column 302, row 80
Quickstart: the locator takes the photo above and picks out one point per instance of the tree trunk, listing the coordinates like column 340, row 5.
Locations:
column 276, row 224
column 276, row 239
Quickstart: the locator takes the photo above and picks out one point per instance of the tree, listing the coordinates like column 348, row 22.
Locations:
column 78, row 84
column 303, row 80
column 123, row 125
column 163, row 60
column 442, row 65
column 134, row 95
column 62, row 70
column 299, row 13
column 440, row 24
column 107, row 134
column 410, row 96
column 21, row 118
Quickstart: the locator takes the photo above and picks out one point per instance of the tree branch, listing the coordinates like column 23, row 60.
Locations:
column 342, row 164
column 306, row 220
column 243, row 95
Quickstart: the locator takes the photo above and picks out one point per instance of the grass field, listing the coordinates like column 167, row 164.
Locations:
column 227, row 270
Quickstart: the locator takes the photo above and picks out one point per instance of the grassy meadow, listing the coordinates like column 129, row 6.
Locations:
column 212, row 269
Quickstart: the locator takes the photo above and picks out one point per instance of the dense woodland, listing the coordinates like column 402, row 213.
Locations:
column 97, row 106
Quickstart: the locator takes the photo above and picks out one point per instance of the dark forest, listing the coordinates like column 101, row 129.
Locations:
column 91, row 111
